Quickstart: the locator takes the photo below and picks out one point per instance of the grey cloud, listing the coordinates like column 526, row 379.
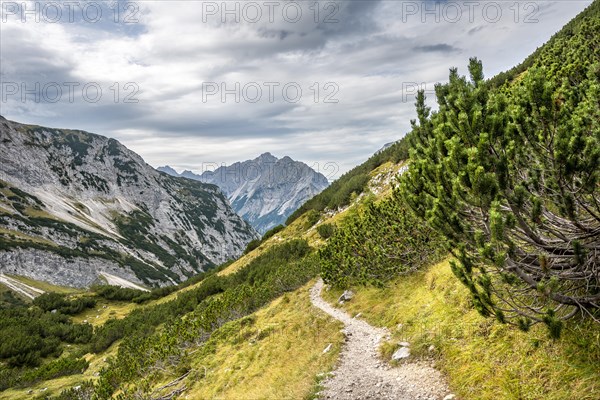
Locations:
column 368, row 53
column 280, row 34
column 473, row 31
column 440, row 47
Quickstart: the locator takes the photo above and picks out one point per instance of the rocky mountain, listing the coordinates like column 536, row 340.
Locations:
column 266, row 190
column 75, row 205
column 386, row 146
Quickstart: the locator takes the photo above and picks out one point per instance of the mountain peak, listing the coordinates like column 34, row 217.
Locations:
column 267, row 157
column 168, row 170
column 265, row 191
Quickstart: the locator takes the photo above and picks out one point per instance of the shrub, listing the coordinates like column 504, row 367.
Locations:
column 326, row 230
column 511, row 179
column 272, row 232
column 252, row 245
column 312, row 217
column 379, row 244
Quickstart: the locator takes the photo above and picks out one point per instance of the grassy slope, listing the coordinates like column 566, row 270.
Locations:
column 286, row 362
column 274, row 353
column 482, row 359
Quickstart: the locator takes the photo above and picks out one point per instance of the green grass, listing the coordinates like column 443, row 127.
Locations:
column 55, row 386
column 105, row 310
column 482, row 358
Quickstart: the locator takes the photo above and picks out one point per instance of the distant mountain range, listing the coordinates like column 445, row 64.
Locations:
column 264, row 191
column 75, row 205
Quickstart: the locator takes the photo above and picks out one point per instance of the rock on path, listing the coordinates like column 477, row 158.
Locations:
column 361, row 374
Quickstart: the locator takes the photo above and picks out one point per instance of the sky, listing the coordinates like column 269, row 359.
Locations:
column 194, row 84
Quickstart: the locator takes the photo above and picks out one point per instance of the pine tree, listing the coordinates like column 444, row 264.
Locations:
column 510, row 177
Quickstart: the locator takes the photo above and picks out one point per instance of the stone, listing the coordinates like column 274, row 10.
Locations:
column 450, row 397
column 346, row 296
column 401, row 353
column 329, row 346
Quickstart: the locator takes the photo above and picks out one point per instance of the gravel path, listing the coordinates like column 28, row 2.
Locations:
column 361, row 374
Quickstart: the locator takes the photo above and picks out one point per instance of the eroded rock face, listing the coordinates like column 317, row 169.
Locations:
column 264, row 191
column 73, row 204
column 51, row 267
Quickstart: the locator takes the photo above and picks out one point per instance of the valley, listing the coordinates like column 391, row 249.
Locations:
column 459, row 262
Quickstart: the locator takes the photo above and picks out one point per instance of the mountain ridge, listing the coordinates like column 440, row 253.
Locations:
column 85, row 200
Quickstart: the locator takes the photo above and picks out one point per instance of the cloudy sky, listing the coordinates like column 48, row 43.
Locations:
column 194, row 83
